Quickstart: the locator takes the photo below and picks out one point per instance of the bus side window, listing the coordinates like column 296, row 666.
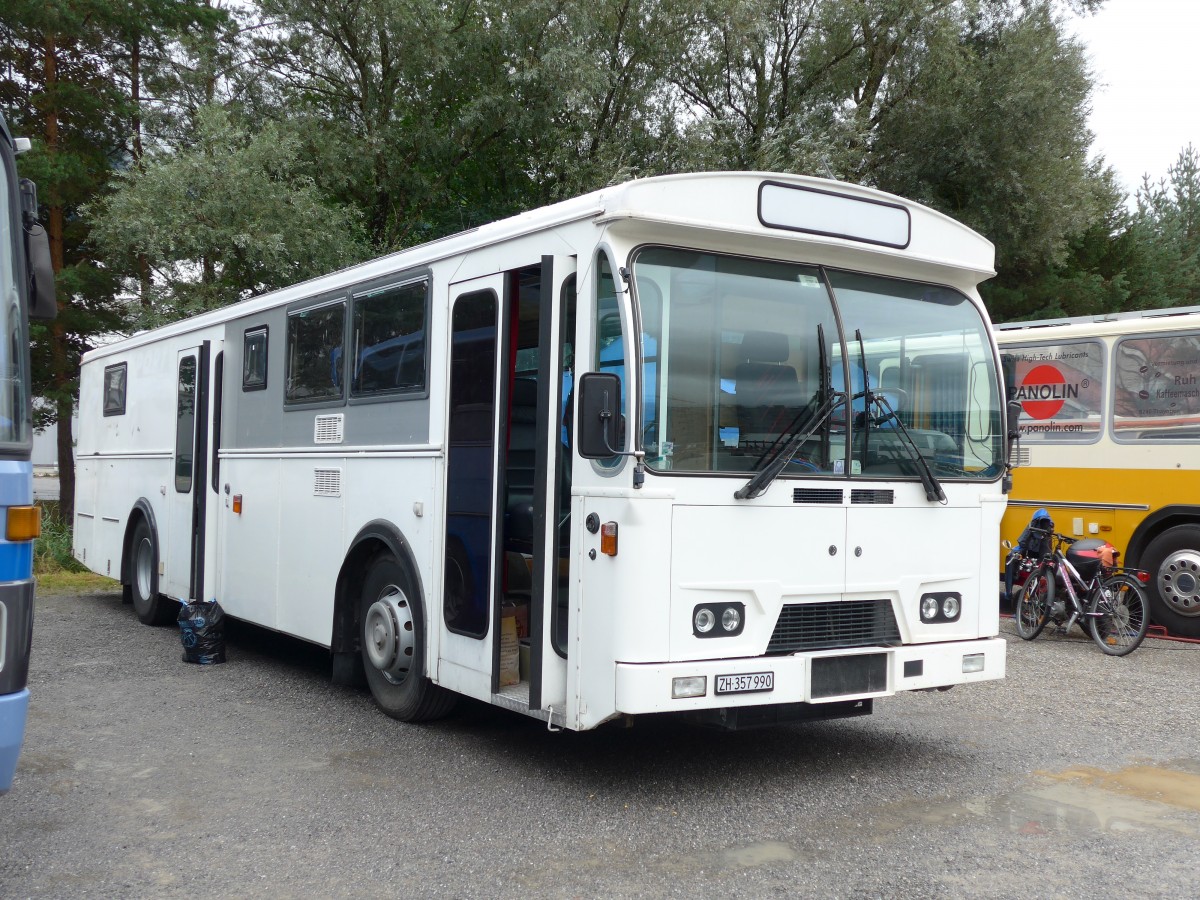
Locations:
column 314, row 353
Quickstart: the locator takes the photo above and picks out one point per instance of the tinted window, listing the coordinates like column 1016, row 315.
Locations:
column 314, row 357
column 115, row 379
column 389, row 340
column 185, row 424
column 254, row 360
column 470, row 486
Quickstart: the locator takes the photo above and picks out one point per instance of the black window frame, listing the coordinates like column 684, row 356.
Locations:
column 185, row 427
column 114, row 410
column 264, row 332
column 361, row 292
column 341, row 299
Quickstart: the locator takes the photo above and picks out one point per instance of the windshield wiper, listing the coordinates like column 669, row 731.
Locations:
column 933, row 489
column 763, row 478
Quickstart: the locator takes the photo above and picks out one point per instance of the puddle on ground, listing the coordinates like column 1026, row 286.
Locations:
column 759, row 854
column 1078, row 799
column 1169, row 786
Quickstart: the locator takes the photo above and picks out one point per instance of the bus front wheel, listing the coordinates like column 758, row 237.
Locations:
column 393, row 638
column 151, row 607
column 1173, row 561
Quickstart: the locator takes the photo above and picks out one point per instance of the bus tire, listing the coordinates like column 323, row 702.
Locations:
column 1173, row 561
column 151, row 607
column 393, row 640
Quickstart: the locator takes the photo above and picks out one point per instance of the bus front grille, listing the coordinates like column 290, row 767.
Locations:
column 827, row 626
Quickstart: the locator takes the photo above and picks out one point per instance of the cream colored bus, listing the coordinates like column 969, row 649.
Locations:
column 1110, row 441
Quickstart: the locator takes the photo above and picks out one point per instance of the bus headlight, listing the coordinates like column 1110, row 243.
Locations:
column 705, row 617
column 929, row 608
column 941, row 607
column 950, row 607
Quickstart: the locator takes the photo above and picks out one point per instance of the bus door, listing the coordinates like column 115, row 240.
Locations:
column 468, row 597
column 545, row 310
column 186, row 494
column 506, row 498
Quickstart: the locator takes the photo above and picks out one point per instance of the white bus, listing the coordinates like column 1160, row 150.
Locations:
column 723, row 445
column 1110, row 441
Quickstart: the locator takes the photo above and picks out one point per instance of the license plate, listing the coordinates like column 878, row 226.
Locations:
column 750, row 683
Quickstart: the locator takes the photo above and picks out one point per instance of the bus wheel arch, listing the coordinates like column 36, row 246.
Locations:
column 139, row 569
column 380, row 617
column 1172, row 557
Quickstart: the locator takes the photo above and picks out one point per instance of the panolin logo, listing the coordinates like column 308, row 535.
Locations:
column 1044, row 391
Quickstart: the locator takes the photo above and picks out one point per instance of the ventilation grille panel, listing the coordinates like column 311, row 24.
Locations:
column 327, row 482
column 817, row 495
column 829, row 626
column 866, row 495
column 1023, row 458
column 327, row 429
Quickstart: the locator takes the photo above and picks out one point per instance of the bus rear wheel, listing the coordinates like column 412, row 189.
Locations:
column 393, row 640
column 151, row 607
column 1173, row 561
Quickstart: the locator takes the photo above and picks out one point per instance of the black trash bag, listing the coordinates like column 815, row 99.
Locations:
column 202, row 630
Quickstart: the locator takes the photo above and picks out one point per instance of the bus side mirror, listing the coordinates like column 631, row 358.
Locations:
column 1014, row 442
column 599, row 413
column 1014, row 420
column 40, row 267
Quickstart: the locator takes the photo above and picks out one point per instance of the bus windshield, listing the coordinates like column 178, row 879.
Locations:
column 14, row 421
column 739, row 355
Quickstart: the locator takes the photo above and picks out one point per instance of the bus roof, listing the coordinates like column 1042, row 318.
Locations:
column 1102, row 323
column 706, row 201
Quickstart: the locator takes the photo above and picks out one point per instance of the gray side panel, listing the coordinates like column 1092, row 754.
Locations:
column 258, row 418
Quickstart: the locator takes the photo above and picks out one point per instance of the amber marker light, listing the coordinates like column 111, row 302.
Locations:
column 608, row 538
column 24, row 523
column 237, row 504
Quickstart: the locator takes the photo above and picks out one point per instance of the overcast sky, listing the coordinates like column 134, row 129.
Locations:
column 1146, row 108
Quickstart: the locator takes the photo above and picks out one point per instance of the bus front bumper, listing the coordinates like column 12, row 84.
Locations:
column 816, row 677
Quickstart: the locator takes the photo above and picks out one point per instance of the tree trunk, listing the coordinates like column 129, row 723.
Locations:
column 61, row 374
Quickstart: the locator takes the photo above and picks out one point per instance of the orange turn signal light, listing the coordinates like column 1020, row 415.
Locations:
column 608, row 538
column 237, row 504
column 24, row 523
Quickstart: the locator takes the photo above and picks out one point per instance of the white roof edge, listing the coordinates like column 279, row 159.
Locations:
column 591, row 205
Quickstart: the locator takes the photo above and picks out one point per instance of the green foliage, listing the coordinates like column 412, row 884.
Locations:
column 1165, row 233
column 52, row 550
column 229, row 217
column 224, row 150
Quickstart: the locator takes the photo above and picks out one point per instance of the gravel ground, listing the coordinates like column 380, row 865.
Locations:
column 1077, row 776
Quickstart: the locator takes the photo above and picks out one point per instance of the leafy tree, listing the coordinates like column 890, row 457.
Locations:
column 224, row 219
column 55, row 89
column 1165, row 268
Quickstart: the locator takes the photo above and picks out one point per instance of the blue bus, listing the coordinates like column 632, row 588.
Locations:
column 26, row 291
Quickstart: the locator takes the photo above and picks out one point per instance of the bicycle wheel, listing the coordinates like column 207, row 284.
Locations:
column 1124, row 615
column 1033, row 602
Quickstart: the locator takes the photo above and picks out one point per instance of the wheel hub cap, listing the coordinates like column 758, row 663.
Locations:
column 1179, row 582
column 144, row 567
column 388, row 634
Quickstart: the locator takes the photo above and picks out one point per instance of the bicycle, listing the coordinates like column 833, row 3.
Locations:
column 1108, row 601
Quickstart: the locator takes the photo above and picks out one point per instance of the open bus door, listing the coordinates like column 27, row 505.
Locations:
column 187, row 494
column 507, row 488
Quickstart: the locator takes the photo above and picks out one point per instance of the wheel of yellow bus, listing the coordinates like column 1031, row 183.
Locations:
column 151, row 607
column 1173, row 561
column 394, row 648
